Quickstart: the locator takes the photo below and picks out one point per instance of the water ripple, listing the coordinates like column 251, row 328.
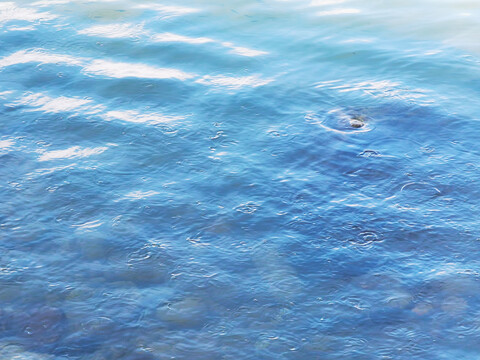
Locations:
column 10, row 12
column 120, row 70
column 342, row 121
column 126, row 70
column 72, row 152
column 244, row 180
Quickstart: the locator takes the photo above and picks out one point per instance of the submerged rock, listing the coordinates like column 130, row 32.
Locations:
column 188, row 312
column 342, row 120
column 357, row 121
column 3, row 321
column 38, row 328
column 45, row 325
column 10, row 351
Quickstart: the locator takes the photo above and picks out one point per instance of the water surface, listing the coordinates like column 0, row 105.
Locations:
column 183, row 180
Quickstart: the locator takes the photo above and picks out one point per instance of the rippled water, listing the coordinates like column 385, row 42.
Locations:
column 239, row 180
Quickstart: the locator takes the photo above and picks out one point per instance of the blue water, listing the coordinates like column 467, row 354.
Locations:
column 239, row 180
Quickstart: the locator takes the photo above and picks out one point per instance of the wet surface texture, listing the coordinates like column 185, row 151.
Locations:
column 240, row 180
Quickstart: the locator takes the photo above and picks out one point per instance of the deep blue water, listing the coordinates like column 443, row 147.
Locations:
column 239, row 180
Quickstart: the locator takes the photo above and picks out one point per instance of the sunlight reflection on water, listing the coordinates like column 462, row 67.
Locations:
column 275, row 180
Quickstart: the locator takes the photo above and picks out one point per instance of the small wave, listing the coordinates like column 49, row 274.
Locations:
column 72, row 152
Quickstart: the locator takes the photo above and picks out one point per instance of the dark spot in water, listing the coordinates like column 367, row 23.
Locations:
column 40, row 327
column 91, row 335
column 3, row 321
column 341, row 120
column 44, row 325
column 139, row 355
column 357, row 121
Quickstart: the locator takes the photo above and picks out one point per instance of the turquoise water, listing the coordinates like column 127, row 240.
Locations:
column 239, row 180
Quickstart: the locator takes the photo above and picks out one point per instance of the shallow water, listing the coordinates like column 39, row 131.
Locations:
column 183, row 181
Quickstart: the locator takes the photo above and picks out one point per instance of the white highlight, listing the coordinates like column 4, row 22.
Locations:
column 125, row 70
column 61, row 2
column 50, row 2
column 136, row 117
column 358, row 41
column 5, row 144
column 340, row 11
column 325, row 2
column 89, row 225
column 48, row 104
column 168, row 11
column 38, row 55
column 72, row 152
column 233, row 82
column 45, row 103
column 243, row 51
column 138, row 195
column 131, row 31
column 114, row 31
column 21, row 28
column 3, row 93
column 169, row 37
column 10, row 12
